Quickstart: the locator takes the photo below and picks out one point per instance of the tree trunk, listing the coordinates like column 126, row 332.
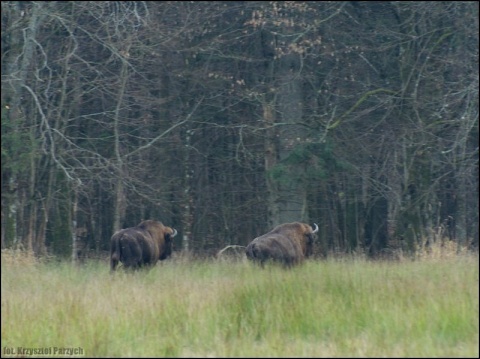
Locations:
column 291, row 191
column 270, row 162
column 188, row 199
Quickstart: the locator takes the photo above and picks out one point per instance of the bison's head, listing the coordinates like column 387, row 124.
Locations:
column 301, row 233
column 162, row 234
column 310, row 235
column 169, row 233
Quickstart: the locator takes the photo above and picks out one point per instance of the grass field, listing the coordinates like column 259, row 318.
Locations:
column 333, row 308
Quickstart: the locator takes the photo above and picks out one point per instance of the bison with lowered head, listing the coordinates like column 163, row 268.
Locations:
column 288, row 244
column 142, row 245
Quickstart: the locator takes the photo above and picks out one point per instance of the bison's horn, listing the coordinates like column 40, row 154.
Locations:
column 174, row 233
column 316, row 228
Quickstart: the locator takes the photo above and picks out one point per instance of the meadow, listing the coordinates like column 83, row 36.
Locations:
column 224, row 308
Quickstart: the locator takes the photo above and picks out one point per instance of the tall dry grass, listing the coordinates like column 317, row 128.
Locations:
column 204, row 308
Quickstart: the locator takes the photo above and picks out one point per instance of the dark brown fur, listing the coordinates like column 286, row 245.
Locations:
column 142, row 245
column 288, row 244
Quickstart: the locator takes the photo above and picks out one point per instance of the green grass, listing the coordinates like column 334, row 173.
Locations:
column 335, row 308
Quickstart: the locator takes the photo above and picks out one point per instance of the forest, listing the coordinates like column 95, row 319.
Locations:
column 223, row 119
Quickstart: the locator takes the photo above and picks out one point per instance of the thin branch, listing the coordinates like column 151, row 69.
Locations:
column 166, row 132
column 228, row 247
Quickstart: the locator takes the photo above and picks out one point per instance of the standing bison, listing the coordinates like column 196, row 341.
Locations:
column 142, row 245
column 287, row 244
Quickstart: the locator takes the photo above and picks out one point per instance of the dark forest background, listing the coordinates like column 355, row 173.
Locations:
column 223, row 119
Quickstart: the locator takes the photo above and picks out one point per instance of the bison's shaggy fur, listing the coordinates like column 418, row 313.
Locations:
column 142, row 245
column 288, row 244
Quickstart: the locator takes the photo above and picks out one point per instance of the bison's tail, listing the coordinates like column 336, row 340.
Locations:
column 114, row 254
column 249, row 251
column 252, row 251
